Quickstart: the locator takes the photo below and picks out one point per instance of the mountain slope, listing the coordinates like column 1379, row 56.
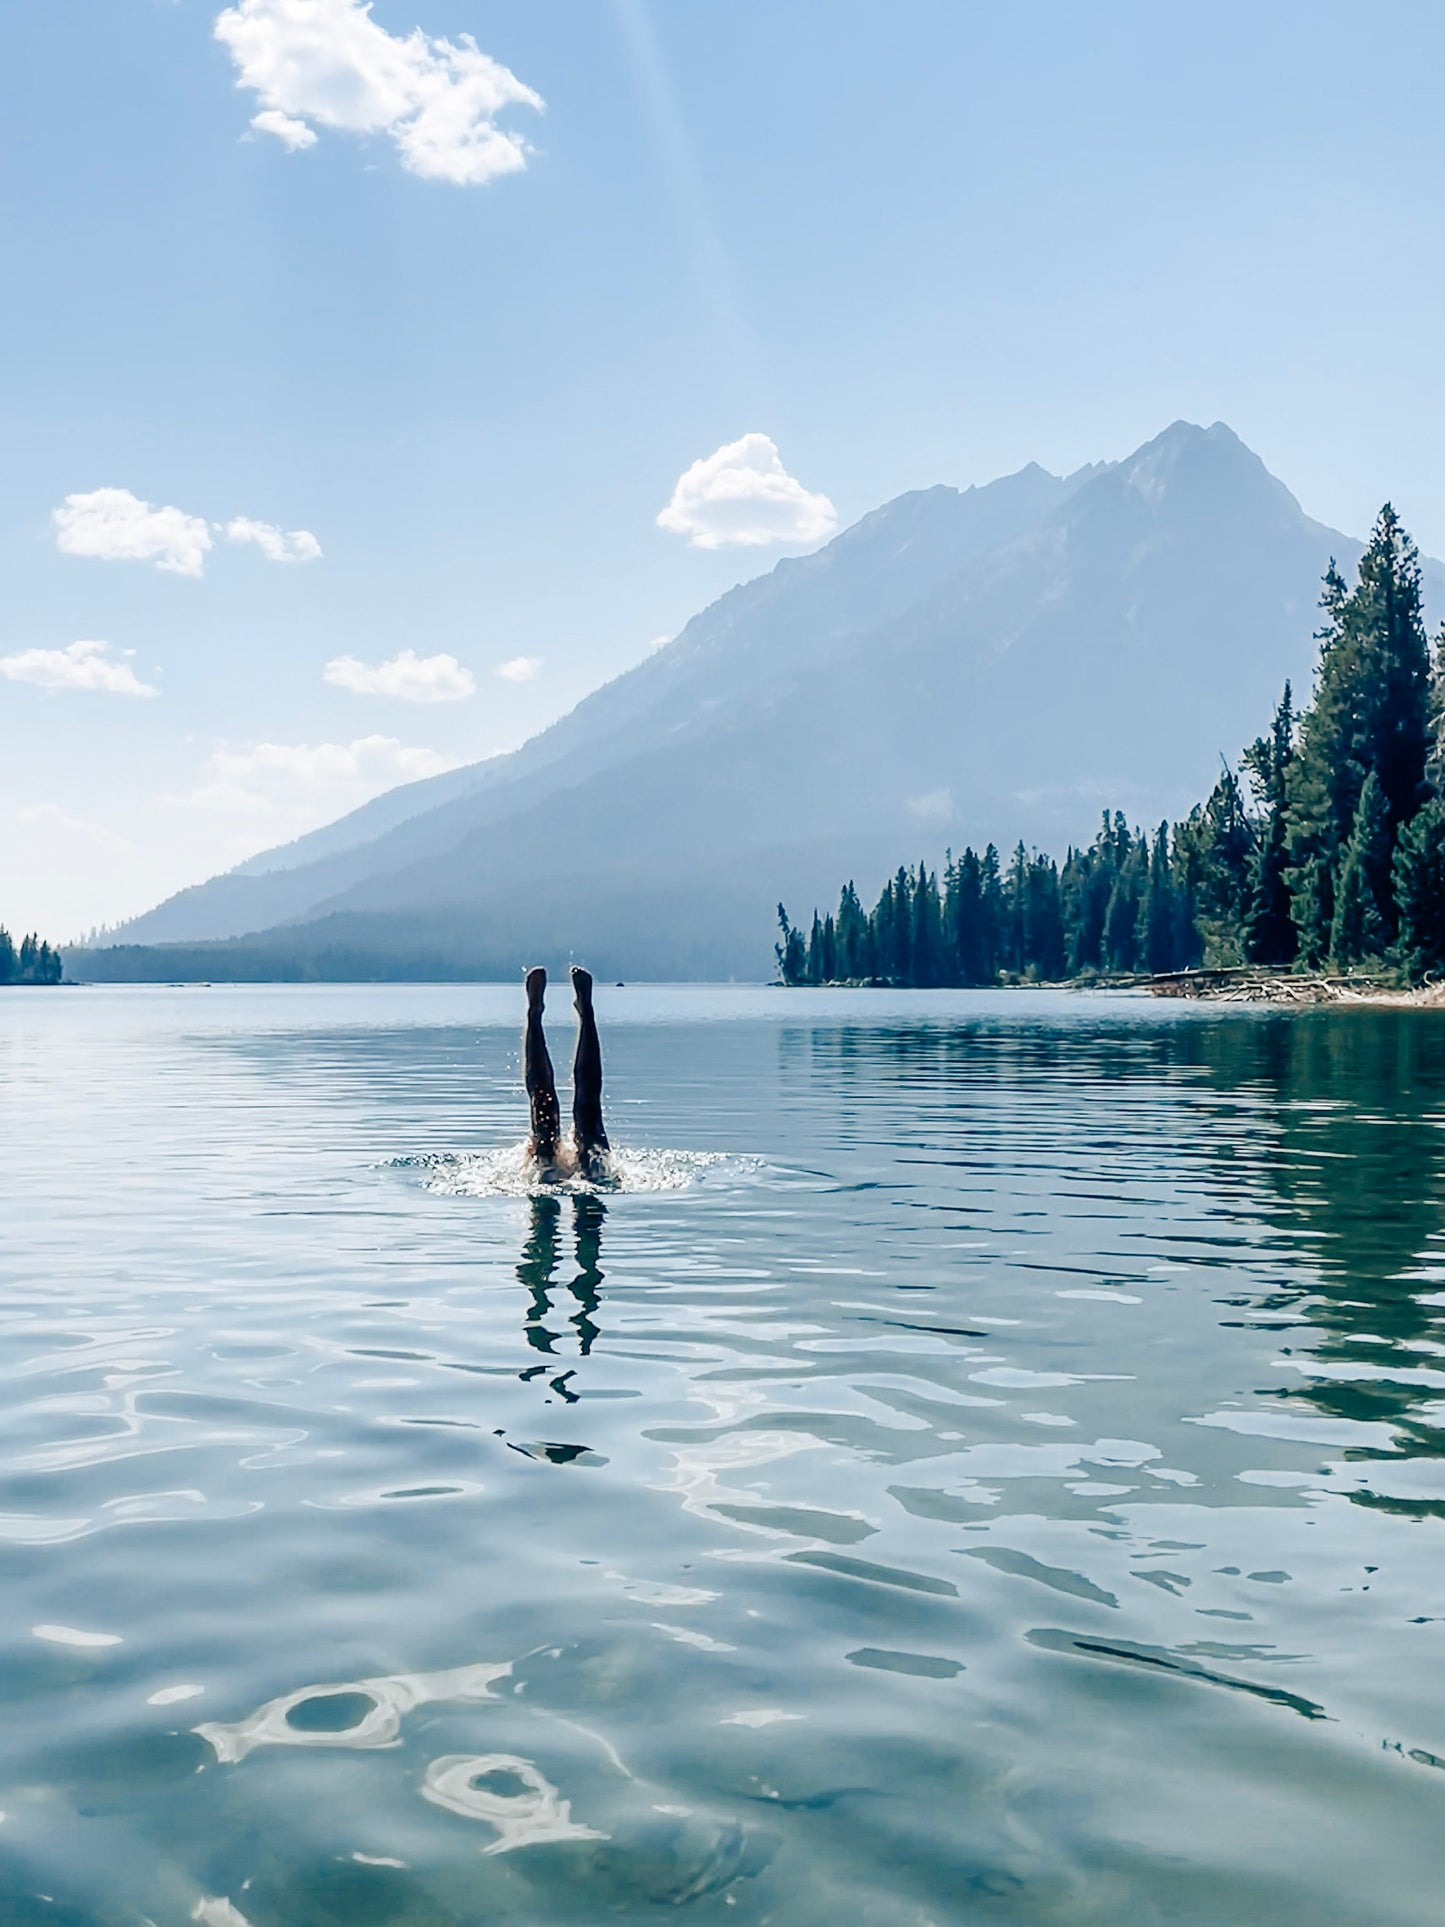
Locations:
column 749, row 640
column 996, row 664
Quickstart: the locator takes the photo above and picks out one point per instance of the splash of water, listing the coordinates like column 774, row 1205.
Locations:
column 510, row 1172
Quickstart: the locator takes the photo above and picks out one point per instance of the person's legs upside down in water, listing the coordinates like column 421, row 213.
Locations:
column 546, row 1136
column 588, row 1134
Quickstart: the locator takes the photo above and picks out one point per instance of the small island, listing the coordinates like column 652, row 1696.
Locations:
column 33, row 962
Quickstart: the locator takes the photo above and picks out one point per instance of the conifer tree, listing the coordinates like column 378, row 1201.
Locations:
column 1215, row 845
column 991, row 914
column 854, row 950
column 1158, row 941
column 791, row 953
column 1358, row 933
column 1015, row 894
column 926, row 958
column 966, row 921
column 1371, row 712
column 1044, row 922
column 1270, row 936
column 1419, row 888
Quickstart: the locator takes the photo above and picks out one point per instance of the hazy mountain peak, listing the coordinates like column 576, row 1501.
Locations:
column 1206, row 475
column 1027, row 650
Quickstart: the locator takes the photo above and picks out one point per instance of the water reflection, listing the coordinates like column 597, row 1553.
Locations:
column 1326, row 1130
column 1355, row 1176
column 545, row 1325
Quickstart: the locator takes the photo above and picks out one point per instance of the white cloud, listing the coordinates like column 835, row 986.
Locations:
column 82, row 665
column 409, row 677
column 327, row 62
column 743, row 495
column 519, row 669
column 307, row 783
column 277, row 545
column 116, row 526
column 294, row 134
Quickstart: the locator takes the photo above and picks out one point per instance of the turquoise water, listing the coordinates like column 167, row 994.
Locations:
column 984, row 1464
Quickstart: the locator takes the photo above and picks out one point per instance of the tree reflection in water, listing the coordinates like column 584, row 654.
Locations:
column 1327, row 1125
column 1355, row 1170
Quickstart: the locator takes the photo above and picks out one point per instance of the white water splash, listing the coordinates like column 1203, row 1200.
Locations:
column 509, row 1172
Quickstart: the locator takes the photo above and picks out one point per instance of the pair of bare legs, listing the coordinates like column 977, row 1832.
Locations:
column 589, row 1138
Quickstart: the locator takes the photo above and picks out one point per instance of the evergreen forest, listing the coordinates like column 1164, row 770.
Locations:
column 33, row 962
column 1324, row 850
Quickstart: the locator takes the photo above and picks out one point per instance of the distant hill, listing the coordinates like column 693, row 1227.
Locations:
column 1000, row 662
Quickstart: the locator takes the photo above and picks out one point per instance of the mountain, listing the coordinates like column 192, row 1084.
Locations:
column 999, row 662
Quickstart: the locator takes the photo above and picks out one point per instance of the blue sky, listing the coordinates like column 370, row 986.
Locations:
column 470, row 352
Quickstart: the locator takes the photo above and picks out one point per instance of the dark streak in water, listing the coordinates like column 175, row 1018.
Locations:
column 1166, row 1662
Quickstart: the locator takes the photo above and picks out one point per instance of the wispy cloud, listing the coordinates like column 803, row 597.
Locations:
column 326, row 63
column 519, row 669
column 408, row 677
column 116, row 526
column 742, row 495
column 306, row 783
column 82, row 665
column 113, row 525
column 277, row 545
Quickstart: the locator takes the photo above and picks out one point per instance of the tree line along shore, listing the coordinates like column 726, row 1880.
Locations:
column 1321, row 858
column 32, row 962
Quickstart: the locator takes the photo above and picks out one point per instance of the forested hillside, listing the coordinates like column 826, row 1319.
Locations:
column 1328, row 848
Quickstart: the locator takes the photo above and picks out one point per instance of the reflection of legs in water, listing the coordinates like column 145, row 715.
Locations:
column 539, row 1263
column 589, row 1214
column 541, row 1085
column 588, row 1133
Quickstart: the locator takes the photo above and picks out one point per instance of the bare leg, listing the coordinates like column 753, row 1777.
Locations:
column 541, row 1084
column 587, row 1128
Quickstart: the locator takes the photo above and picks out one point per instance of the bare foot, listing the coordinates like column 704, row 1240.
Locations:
column 536, row 985
column 581, row 987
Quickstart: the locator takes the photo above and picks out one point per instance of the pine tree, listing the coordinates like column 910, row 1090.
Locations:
column 1015, row 894
column 1435, row 746
column 1215, row 847
column 1419, row 887
column 1270, row 936
column 1158, row 937
column 854, row 944
column 991, row 917
column 1121, row 919
column 791, row 953
column 1358, row 933
column 965, row 921
column 1044, row 922
column 926, row 955
column 1371, row 712
column 9, row 962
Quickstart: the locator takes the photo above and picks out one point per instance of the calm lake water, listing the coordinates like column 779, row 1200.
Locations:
column 985, row 1464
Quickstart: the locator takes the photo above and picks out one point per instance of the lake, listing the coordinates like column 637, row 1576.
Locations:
column 985, row 1463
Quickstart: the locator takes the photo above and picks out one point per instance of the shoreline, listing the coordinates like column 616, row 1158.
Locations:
column 1286, row 991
